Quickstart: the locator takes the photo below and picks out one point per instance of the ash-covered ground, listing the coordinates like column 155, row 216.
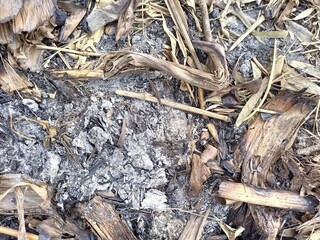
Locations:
column 132, row 152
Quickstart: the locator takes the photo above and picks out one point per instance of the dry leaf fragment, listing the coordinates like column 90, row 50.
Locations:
column 305, row 67
column 301, row 33
column 72, row 21
column 287, row 11
column 199, row 174
column 194, row 227
column 11, row 81
column 126, row 20
column 37, row 194
column 106, row 11
column 303, row 14
column 293, row 81
column 32, row 15
column 231, row 233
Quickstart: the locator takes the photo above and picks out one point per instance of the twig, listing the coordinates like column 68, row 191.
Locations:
column 150, row 98
column 249, row 30
column 15, row 233
column 205, row 21
column 88, row 54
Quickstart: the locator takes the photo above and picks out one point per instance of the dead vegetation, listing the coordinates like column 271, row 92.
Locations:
column 268, row 178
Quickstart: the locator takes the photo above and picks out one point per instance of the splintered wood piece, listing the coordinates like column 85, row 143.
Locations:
column 266, row 139
column 105, row 220
column 266, row 197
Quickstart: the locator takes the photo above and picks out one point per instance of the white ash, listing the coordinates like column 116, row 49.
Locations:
column 154, row 199
column 31, row 104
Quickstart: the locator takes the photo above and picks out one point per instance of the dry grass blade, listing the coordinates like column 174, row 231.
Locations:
column 20, row 208
column 251, row 103
column 11, row 81
column 15, row 233
column 271, row 78
column 150, row 98
column 180, row 21
column 78, row 74
column 271, row 34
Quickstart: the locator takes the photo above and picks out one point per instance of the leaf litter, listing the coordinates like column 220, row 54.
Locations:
column 270, row 96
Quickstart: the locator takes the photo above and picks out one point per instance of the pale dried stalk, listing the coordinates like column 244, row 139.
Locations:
column 15, row 233
column 20, row 208
column 265, row 197
column 150, row 98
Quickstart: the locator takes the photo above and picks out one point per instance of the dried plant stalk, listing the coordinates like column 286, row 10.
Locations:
column 265, row 197
column 150, row 98
column 263, row 145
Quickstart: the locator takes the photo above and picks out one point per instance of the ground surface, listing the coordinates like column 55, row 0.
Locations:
column 148, row 170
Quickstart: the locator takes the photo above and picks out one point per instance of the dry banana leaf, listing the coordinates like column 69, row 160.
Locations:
column 9, row 10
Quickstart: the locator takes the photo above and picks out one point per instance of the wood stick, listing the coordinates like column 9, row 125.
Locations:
column 249, row 30
column 89, row 54
column 15, row 233
column 266, row 197
column 150, row 98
